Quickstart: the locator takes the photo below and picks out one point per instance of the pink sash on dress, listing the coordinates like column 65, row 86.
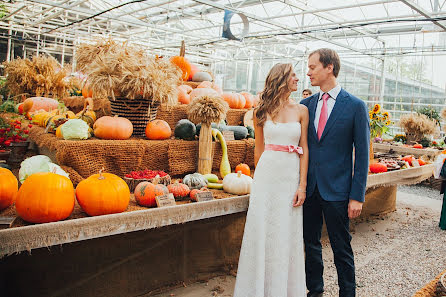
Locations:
column 291, row 148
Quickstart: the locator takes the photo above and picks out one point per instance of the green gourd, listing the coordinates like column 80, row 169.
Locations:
column 211, row 178
column 215, row 186
column 225, row 167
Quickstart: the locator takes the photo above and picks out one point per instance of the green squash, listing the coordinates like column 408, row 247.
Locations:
column 211, row 178
column 185, row 129
column 240, row 132
column 225, row 166
column 250, row 132
column 195, row 181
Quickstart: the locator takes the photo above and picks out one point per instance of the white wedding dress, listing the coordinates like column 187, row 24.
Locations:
column 271, row 260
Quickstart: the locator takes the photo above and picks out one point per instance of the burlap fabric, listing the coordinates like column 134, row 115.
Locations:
column 177, row 157
column 429, row 289
column 173, row 114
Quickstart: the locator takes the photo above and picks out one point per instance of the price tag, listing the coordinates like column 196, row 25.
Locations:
column 204, row 196
column 228, row 135
column 165, row 200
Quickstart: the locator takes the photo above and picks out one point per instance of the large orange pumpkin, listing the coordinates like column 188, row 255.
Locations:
column 158, row 130
column 8, row 188
column 249, row 99
column 146, row 192
column 182, row 63
column 45, row 197
column 210, row 85
column 113, row 128
column 103, row 193
column 234, row 100
column 38, row 103
column 198, row 92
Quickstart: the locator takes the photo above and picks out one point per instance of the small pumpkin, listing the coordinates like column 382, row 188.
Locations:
column 237, row 183
column 59, row 132
column 87, row 114
column 210, row 85
column 243, row 168
column 193, row 193
column 103, row 193
column 201, row 76
column 193, row 69
column 158, row 130
column 45, row 197
column 195, row 181
column 185, row 129
column 146, row 192
column 234, row 100
column 249, row 99
column 178, row 190
column 115, row 127
column 417, row 146
column 378, row 168
column 8, row 188
column 184, row 94
column 198, row 92
column 182, row 63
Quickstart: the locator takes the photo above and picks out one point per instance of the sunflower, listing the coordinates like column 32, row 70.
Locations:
column 376, row 108
column 386, row 114
column 388, row 123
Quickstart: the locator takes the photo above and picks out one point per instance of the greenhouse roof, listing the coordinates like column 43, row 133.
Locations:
column 277, row 29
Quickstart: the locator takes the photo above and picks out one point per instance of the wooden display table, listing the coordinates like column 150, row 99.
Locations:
column 405, row 150
column 134, row 253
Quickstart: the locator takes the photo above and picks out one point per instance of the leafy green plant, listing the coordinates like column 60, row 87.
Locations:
column 431, row 113
column 425, row 142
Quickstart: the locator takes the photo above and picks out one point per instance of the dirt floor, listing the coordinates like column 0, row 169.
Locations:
column 396, row 254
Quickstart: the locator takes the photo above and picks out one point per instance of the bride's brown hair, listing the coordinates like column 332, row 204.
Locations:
column 273, row 95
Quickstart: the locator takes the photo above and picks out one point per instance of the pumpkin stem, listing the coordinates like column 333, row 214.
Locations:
column 182, row 49
column 156, row 179
column 54, row 170
column 239, row 173
column 100, row 174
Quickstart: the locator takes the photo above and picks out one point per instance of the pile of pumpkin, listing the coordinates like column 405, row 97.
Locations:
column 49, row 197
column 240, row 100
column 384, row 165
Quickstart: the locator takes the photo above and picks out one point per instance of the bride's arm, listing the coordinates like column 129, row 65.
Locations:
column 259, row 141
column 304, row 144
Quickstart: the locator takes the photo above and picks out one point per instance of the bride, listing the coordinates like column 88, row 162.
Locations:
column 271, row 260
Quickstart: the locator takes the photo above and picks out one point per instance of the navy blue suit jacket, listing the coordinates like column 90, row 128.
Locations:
column 331, row 158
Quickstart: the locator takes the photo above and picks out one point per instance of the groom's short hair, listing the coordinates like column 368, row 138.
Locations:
column 328, row 56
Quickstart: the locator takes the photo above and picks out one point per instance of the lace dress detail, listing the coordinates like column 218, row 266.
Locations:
column 271, row 260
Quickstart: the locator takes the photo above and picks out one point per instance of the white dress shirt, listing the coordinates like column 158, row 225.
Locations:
column 330, row 104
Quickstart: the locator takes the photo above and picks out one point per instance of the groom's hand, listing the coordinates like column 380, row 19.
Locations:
column 354, row 208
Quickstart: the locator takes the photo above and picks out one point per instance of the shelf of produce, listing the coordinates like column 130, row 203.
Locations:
column 405, row 150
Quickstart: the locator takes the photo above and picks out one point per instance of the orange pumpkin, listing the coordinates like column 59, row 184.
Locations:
column 418, row 146
column 158, row 130
column 182, row 63
column 86, row 91
column 210, row 85
column 198, row 92
column 59, row 132
column 45, row 197
column 249, row 99
column 235, row 100
column 103, row 193
column 244, row 168
column 145, row 193
column 178, row 190
column 113, row 128
column 38, row 103
column 183, row 95
column 378, row 168
column 193, row 69
column 8, row 188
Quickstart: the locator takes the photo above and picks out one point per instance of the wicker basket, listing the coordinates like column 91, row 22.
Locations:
column 132, row 183
column 138, row 111
column 441, row 286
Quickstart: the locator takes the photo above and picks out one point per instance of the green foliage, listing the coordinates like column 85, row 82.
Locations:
column 425, row 142
column 3, row 10
column 400, row 138
column 431, row 113
column 4, row 91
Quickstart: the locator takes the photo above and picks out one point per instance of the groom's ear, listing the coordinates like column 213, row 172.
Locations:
column 330, row 67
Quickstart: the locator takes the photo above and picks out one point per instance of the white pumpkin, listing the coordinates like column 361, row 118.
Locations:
column 237, row 183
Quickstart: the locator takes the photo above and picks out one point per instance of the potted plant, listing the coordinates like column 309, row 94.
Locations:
column 14, row 138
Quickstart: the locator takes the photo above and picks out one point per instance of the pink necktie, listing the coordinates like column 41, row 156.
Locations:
column 324, row 116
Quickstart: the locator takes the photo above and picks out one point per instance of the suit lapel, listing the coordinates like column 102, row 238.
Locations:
column 338, row 109
column 312, row 110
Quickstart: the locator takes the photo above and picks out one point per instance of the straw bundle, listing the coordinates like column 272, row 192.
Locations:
column 206, row 110
column 41, row 76
column 416, row 126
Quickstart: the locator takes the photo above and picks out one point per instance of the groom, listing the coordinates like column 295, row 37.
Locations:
column 335, row 190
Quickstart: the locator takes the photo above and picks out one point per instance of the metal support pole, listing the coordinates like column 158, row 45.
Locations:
column 8, row 53
column 383, row 81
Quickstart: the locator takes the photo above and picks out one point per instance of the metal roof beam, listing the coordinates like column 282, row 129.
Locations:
column 423, row 12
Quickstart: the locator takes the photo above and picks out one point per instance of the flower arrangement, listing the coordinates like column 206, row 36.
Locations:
column 416, row 126
column 379, row 121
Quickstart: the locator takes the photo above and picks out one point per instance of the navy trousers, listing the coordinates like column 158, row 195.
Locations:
column 336, row 219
